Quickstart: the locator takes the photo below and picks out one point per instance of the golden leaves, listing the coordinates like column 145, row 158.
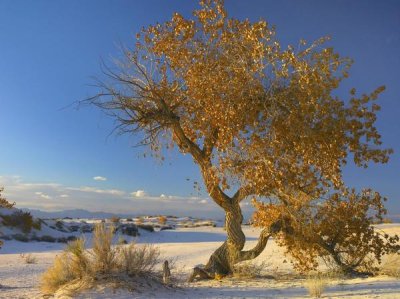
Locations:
column 338, row 228
column 280, row 128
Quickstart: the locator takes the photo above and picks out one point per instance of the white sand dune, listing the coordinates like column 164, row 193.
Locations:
column 190, row 247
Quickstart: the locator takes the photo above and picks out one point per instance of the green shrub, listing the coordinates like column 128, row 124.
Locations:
column 21, row 238
column 22, row 220
column 47, row 238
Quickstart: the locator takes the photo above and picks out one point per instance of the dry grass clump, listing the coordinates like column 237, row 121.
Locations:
column 391, row 265
column 137, row 261
column 316, row 284
column 28, row 258
column 248, row 270
column 79, row 268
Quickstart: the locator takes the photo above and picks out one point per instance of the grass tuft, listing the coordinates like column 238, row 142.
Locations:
column 78, row 268
column 316, row 285
column 28, row 258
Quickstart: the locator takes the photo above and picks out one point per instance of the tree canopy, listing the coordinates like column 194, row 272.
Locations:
column 259, row 119
column 226, row 92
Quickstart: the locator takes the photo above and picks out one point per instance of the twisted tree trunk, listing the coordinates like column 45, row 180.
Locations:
column 231, row 251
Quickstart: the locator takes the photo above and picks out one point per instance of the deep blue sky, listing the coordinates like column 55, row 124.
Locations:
column 50, row 49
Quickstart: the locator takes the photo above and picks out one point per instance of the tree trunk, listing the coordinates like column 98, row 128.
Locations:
column 231, row 251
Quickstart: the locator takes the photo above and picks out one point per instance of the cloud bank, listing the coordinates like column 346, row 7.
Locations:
column 56, row 196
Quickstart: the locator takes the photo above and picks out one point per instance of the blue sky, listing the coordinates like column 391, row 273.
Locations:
column 49, row 50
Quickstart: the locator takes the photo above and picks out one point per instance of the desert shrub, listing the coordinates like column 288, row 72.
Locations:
column 115, row 219
column 147, row 227
column 316, row 284
column 21, row 238
column 47, row 238
column 102, row 253
column 37, row 224
column 60, row 225
column 79, row 263
column 162, row 220
column 57, row 275
column 102, row 262
column 4, row 203
column 338, row 230
column 391, row 265
column 28, row 258
column 22, row 220
column 135, row 260
column 248, row 269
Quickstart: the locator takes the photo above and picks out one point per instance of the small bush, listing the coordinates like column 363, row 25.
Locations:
column 102, row 253
column 59, row 225
column 147, row 227
column 28, row 258
column 162, row 220
column 115, row 219
column 20, row 219
column 391, row 265
column 316, row 285
column 248, row 269
column 21, row 238
column 103, row 262
column 57, row 275
column 47, row 238
column 135, row 261
column 4, row 203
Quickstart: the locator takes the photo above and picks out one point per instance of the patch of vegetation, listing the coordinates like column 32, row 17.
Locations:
column 22, row 220
column 21, row 238
column 28, row 258
column 248, row 270
column 147, row 227
column 316, row 285
column 103, row 263
column 115, row 219
column 162, row 220
column 47, row 238
column 338, row 231
column 391, row 265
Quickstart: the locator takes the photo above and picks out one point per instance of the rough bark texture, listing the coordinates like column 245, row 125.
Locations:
column 231, row 251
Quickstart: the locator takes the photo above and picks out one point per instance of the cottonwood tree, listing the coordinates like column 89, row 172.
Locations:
column 258, row 119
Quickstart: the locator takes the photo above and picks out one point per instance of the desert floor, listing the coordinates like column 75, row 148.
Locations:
column 189, row 247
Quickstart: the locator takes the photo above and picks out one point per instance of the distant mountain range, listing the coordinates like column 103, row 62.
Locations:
column 76, row 213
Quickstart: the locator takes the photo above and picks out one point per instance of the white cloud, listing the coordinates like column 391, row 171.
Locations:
column 139, row 193
column 99, row 191
column 37, row 196
column 203, row 201
column 43, row 195
column 100, row 178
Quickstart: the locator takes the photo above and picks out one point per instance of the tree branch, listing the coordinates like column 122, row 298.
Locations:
column 256, row 251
